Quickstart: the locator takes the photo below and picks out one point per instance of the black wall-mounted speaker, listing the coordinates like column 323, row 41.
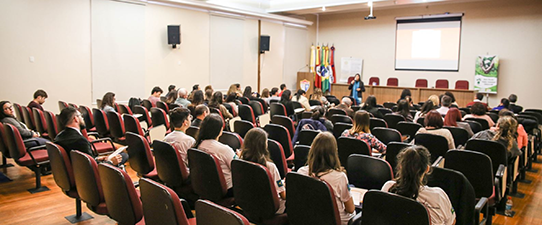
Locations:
column 173, row 35
column 264, row 43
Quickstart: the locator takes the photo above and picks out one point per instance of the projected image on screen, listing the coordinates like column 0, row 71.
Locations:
column 428, row 44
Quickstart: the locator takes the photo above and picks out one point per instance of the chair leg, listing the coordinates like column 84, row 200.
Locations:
column 5, row 163
column 79, row 215
column 514, row 192
column 39, row 188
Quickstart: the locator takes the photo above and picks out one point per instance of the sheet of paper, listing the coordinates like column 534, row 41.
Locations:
column 118, row 151
column 357, row 194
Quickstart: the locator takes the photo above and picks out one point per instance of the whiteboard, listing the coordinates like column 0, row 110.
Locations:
column 349, row 67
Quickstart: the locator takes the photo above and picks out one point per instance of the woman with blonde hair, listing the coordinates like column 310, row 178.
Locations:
column 234, row 88
column 361, row 130
column 255, row 150
column 319, row 95
column 504, row 133
column 436, row 101
column 323, row 163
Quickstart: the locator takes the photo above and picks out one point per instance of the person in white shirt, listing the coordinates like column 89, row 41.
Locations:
column 446, row 102
column 180, row 120
column 255, row 150
column 414, row 163
column 323, row 163
column 300, row 97
column 207, row 141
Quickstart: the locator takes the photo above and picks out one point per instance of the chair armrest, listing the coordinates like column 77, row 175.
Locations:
column 30, row 150
column 480, row 205
column 438, row 161
column 31, row 140
column 95, row 134
column 500, row 182
column 187, row 210
column 500, row 171
column 355, row 220
column 101, row 140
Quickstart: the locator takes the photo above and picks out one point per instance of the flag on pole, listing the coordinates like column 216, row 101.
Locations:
column 312, row 59
column 317, row 72
column 332, row 63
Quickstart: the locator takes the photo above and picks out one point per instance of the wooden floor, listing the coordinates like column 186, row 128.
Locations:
column 18, row 206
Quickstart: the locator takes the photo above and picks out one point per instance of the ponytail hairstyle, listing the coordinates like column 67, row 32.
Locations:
column 412, row 164
column 318, row 112
column 299, row 93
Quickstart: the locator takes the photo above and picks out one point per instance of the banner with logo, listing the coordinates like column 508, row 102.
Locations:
column 486, row 74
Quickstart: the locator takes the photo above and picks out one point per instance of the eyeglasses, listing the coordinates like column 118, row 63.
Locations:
column 10, row 108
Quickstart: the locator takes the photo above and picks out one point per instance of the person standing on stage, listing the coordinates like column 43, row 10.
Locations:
column 357, row 88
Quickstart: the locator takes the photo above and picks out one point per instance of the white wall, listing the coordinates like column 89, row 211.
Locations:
column 509, row 29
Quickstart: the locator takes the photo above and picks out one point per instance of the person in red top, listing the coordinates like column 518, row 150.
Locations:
column 479, row 97
column 282, row 89
column 39, row 99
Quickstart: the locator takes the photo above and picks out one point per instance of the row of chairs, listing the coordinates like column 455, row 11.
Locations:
column 440, row 83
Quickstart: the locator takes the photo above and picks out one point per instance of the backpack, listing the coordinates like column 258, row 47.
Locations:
column 133, row 102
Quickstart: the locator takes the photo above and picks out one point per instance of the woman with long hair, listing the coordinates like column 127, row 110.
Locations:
column 357, row 88
column 108, row 102
column 216, row 102
column 286, row 100
column 7, row 116
column 234, row 88
column 361, row 130
column 255, row 150
column 371, row 107
column 300, row 97
column 207, row 141
column 413, row 165
column 426, row 108
column 403, row 109
column 505, row 133
column 453, row 119
column 197, row 99
column 248, row 92
column 319, row 96
column 323, row 163
column 433, row 125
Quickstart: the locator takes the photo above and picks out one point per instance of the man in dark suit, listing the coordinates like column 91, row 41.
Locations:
column 71, row 137
column 515, row 108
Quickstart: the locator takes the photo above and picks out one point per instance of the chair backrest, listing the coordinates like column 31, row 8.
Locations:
column 159, row 117
column 210, row 213
column 277, row 155
column 393, row 119
column 14, row 142
column 257, row 108
column 392, row 151
column 348, row 146
column 494, row 115
column 141, row 159
column 374, row 81
column 169, row 164
column 301, row 154
column 162, row 105
column 495, row 150
column 314, row 102
column 459, row 191
column 385, row 111
column 243, row 100
column 61, row 166
column 341, row 118
column 280, row 133
column 39, row 118
column 123, row 204
column 206, row 175
column 116, row 125
column 161, row 205
column 436, row 144
column 306, row 137
column 461, row 136
column 386, row 135
column 408, row 128
column 441, row 83
column 88, row 117
column 389, row 105
column 421, row 121
column 124, row 109
column 18, row 112
column 482, row 122
column 28, row 120
column 392, row 81
column 533, row 113
column 277, row 109
column 62, row 105
column 231, row 139
column 101, row 122
column 52, row 124
column 421, row 83
column 368, row 172
column 387, row 208
column 334, row 111
column 377, row 122
column 310, row 201
column 462, row 85
column 246, row 113
column 192, row 131
column 296, row 105
column 476, row 166
column 3, row 142
column 131, row 124
column 474, row 126
column 242, row 127
column 254, row 190
column 286, row 122
column 87, row 180
column 144, row 114
column 147, row 104
column 350, row 79
column 332, row 99
column 339, row 128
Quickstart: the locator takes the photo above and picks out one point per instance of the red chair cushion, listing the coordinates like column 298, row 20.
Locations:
column 103, row 147
column 39, row 155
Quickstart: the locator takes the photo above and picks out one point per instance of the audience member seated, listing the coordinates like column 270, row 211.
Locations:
column 108, row 102
column 318, row 95
column 247, row 93
column 286, row 100
column 155, row 95
column 403, row 109
column 522, row 137
column 346, row 102
column 39, row 99
column 451, row 95
column 254, row 149
column 197, row 99
column 453, row 119
column 504, row 133
column 436, row 101
column 413, row 165
column 445, row 102
column 316, row 122
column 433, row 125
column 207, row 96
column 170, row 88
column 282, row 89
column 207, row 141
column 324, row 149
column 200, row 113
column 301, row 98
column 426, row 108
column 478, row 110
column 274, row 95
column 216, row 102
column 370, row 106
column 515, row 108
column 180, row 120
column 7, row 116
column 235, row 88
column 265, row 95
column 194, row 89
column 357, row 88
column 404, row 94
column 361, row 130
column 230, row 99
column 505, row 104
column 478, row 98
column 72, row 139
column 171, row 97
column 182, row 100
